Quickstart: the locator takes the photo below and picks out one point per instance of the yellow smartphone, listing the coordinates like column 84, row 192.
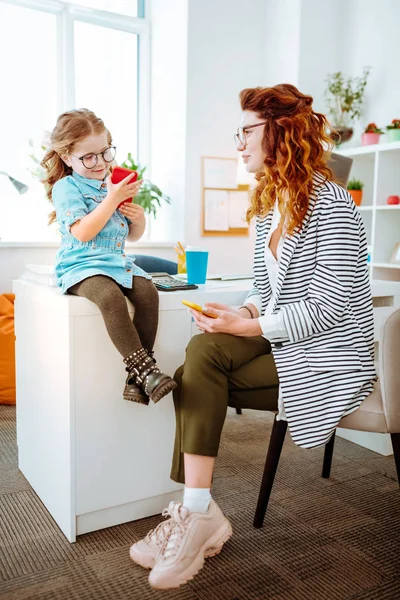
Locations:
column 199, row 308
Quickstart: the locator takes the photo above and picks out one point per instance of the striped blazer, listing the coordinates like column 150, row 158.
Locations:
column 325, row 363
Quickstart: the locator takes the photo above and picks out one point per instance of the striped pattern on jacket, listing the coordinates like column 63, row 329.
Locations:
column 326, row 362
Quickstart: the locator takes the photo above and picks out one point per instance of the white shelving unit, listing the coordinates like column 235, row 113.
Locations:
column 378, row 167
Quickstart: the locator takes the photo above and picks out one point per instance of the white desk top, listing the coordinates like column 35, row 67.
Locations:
column 226, row 292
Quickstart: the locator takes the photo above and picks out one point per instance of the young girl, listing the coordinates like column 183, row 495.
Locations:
column 91, row 261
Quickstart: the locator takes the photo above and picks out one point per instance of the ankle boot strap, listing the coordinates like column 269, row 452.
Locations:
column 140, row 365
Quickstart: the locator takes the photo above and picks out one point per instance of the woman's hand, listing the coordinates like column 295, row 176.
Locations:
column 132, row 211
column 224, row 307
column 118, row 192
column 227, row 321
column 241, row 312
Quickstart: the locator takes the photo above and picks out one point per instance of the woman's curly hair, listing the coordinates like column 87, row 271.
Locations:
column 296, row 144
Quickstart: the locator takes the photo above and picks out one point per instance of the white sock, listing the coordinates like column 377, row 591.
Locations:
column 197, row 499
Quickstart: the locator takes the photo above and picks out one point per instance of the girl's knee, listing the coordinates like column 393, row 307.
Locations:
column 109, row 301
column 145, row 289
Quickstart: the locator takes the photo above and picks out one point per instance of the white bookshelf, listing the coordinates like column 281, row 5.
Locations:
column 378, row 167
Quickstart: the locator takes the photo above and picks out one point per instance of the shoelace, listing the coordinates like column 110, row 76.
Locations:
column 158, row 535
column 175, row 535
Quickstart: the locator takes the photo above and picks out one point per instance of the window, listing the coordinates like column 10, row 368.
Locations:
column 47, row 71
column 111, row 89
column 133, row 8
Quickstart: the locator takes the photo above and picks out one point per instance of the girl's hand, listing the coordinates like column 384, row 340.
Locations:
column 132, row 211
column 226, row 322
column 118, row 192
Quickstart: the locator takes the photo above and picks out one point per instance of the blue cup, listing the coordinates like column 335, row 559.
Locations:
column 196, row 265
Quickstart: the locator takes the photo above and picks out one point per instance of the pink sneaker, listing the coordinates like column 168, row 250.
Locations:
column 144, row 552
column 191, row 537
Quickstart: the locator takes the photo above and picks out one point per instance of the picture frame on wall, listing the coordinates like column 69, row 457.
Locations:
column 395, row 258
column 224, row 202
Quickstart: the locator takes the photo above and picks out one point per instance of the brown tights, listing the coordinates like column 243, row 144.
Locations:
column 109, row 296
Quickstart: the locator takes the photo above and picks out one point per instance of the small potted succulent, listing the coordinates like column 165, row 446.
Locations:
column 355, row 189
column 371, row 135
column 393, row 131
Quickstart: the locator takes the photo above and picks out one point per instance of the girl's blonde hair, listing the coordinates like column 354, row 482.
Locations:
column 71, row 127
column 295, row 143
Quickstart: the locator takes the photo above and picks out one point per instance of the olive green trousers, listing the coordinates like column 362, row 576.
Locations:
column 220, row 370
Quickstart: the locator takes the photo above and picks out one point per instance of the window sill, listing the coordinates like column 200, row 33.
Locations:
column 139, row 244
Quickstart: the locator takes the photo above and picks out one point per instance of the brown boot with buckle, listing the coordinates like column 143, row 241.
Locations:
column 133, row 392
column 143, row 369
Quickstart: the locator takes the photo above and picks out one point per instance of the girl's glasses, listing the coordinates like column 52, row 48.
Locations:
column 240, row 136
column 90, row 160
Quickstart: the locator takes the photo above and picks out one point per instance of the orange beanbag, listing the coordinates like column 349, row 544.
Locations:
column 7, row 349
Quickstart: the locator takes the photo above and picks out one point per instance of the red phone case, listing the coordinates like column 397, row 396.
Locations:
column 118, row 174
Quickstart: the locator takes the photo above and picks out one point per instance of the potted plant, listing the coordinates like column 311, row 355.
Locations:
column 393, row 131
column 149, row 195
column 371, row 135
column 355, row 189
column 345, row 97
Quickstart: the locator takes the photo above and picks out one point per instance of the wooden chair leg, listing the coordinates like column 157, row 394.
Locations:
column 326, row 468
column 238, row 411
column 271, row 465
column 396, row 451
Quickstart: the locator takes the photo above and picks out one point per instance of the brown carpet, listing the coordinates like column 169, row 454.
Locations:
column 336, row 539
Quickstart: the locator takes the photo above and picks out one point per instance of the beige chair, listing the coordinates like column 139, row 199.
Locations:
column 379, row 413
column 340, row 167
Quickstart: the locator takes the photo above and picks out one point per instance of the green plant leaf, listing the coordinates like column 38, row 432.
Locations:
column 150, row 197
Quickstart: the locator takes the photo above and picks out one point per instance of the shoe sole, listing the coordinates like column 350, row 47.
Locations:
column 138, row 400
column 137, row 558
column 163, row 389
column 217, row 541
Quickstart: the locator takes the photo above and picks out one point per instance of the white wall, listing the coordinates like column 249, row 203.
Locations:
column 347, row 35
column 322, row 46
column 226, row 53
column 282, row 41
column 373, row 39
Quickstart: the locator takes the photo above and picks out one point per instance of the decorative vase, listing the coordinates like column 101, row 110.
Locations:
column 346, row 133
column 370, row 138
column 357, row 196
column 393, row 135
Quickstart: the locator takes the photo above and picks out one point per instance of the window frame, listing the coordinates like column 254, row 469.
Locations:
column 67, row 13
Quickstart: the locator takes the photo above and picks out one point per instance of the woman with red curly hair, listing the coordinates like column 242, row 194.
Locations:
column 302, row 343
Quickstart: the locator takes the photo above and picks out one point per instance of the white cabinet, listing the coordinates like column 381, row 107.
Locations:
column 94, row 459
column 378, row 167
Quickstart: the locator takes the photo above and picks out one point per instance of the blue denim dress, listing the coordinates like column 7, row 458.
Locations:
column 74, row 197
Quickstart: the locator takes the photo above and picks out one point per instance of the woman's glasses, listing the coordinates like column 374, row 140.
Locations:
column 240, row 136
column 89, row 161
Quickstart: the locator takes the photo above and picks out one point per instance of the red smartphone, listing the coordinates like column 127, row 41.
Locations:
column 118, row 174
